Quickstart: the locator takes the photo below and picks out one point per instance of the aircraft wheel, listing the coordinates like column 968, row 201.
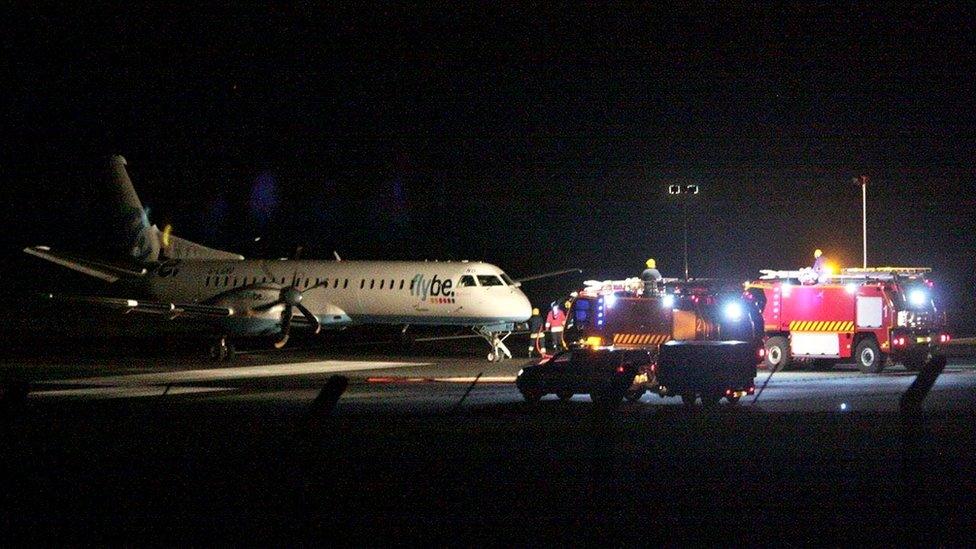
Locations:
column 564, row 395
column 492, row 356
column 688, row 400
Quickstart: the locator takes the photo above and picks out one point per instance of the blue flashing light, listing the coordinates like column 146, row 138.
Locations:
column 917, row 298
column 733, row 311
column 610, row 300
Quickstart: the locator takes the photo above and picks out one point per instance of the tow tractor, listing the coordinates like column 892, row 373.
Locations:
column 702, row 339
column 875, row 316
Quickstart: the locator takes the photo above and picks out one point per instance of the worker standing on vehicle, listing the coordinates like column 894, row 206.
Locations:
column 535, row 334
column 555, row 321
column 650, row 277
column 819, row 263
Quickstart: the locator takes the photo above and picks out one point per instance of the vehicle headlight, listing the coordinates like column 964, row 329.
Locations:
column 520, row 372
column 733, row 311
column 917, row 298
column 667, row 301
column 609, row 300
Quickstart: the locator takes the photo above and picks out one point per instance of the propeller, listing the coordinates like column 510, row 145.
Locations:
column 291, row 297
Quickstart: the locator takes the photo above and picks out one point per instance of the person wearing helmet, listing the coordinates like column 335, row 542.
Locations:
column 555, row 321
column 818, row 262
column 650, row 277
column 536, row 342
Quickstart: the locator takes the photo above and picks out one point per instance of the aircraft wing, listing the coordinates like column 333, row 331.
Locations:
column 98, row 269
column 171, row 310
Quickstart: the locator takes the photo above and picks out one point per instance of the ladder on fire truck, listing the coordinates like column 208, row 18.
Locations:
column 851, row 274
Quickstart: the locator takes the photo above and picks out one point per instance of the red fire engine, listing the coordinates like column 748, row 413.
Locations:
column 874, row 316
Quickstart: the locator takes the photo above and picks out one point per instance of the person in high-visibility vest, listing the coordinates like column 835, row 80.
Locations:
column 536, row 341
column 555, row 321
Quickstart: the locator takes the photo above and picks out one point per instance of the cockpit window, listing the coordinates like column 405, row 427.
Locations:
column 508, row 280
column 490, row 280
column 467, row 280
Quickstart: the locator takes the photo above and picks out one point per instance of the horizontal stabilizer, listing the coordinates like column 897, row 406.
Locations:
column 98, row 269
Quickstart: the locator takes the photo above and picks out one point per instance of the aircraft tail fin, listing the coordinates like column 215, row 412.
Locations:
column 143, row 241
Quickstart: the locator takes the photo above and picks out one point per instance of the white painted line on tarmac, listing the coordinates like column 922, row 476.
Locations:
column 482, row 379
column 244, row 372
column 126, row 392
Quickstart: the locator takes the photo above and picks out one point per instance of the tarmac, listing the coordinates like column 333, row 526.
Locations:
column 157, row 447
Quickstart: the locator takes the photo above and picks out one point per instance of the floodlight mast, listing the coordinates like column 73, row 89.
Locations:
column 682, row 192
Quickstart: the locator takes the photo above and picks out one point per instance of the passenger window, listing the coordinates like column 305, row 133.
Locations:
column 490, row 280
column 207, row 283
column 372, row 284
column 392, row 282
column 362, row 283
column 401, row 284
column 226, row 280
column 336, row 284
column 466, row 280
column 345, row 284
column 381, row 283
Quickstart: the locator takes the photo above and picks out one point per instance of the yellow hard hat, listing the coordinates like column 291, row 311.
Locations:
column 817, row 253
column 651, row 264
column 535, row 310
column 567, row 304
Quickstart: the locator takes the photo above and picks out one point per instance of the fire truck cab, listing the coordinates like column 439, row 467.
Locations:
column 872, row 316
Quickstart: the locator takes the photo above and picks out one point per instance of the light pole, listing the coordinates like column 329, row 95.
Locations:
column 863, row 182
column 682, row 193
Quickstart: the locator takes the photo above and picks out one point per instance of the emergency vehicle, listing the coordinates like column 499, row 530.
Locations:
column 682, row 319
column 874, row 316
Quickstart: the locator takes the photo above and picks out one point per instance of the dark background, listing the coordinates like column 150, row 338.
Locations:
column 533, row 137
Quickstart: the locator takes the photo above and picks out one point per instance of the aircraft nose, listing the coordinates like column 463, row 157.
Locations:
column 522, row 305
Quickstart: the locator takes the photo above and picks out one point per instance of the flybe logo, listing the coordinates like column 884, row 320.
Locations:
column 439, row 291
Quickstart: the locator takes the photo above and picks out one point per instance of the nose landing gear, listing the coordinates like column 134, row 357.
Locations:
column 499, row 351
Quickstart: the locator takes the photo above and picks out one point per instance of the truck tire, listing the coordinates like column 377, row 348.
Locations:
column 777, row 353
column 868, row 357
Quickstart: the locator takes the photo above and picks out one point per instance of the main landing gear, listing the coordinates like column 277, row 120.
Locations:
column 222, row 350
column 499, row 351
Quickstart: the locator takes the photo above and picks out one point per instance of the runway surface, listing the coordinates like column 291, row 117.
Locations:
column 416, row 383
column 165, row 448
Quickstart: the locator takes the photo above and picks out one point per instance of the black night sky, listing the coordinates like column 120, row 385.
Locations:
column 533, row 137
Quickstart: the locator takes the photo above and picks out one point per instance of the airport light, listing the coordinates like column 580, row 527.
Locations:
column 684, row 193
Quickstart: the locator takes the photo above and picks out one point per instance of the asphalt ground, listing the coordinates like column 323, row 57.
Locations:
column 163, row 447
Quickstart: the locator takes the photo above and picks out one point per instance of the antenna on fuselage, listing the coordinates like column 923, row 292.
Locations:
column 336, row 254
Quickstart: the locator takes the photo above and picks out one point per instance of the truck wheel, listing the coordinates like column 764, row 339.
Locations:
column 688, row 400
column 564, row 395
column 777, row 353
column 608, row 398
column 532, row 395
column 868, row 357
column 733, row 400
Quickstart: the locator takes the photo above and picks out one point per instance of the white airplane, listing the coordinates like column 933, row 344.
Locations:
column 248, row 297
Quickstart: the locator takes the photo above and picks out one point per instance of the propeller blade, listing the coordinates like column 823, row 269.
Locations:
column 311, row 318
column 285, row 328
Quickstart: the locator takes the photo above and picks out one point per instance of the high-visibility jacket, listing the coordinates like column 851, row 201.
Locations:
column 555, row 320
